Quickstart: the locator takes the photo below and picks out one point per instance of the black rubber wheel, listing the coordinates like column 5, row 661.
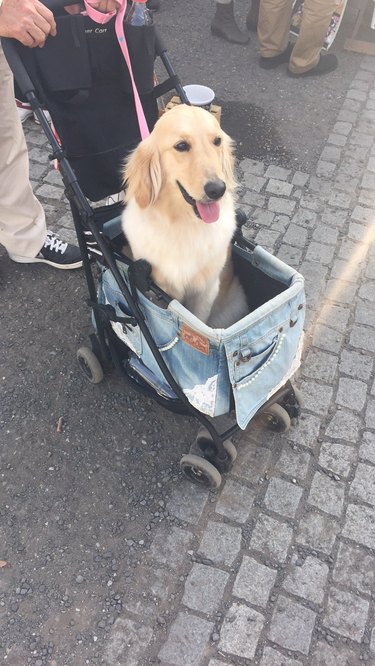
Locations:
column 90, row 365
column 275, row 418
column 200, row 471
column 231, row 450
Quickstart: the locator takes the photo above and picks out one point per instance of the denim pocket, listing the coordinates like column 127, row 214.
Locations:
column 249, row 359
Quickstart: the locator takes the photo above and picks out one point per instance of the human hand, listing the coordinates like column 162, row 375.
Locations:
column 29, row 21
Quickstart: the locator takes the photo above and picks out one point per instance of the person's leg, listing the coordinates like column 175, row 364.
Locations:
column 22, row 221
column 253, row 15
column 316, row 18
column 224, row 24
column 273, row 27
column 23, row 229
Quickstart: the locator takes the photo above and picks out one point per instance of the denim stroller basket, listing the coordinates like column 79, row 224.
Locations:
column 249, row 361
column 159, row 347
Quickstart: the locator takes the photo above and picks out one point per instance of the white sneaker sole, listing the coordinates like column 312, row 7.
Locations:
column 37, row 260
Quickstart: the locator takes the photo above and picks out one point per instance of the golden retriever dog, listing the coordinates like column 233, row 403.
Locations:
column 180, row 213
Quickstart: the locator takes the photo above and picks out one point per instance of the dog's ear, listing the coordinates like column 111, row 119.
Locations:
column 228, row 161
column 142, row 174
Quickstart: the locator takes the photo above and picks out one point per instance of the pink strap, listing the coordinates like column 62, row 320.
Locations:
column 101, row 18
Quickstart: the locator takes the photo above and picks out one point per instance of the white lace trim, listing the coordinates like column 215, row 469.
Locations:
column 203, row 396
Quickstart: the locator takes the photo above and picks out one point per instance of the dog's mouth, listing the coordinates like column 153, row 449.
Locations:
column 208, row 211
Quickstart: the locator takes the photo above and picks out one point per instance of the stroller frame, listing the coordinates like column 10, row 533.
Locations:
column 213, row 453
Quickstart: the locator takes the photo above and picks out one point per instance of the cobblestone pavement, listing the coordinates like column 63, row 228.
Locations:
column 278, row 567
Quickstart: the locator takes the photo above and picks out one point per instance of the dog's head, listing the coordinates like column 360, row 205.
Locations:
column 187, row 158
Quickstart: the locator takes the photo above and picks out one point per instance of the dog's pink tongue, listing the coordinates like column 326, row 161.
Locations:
column 209, row 212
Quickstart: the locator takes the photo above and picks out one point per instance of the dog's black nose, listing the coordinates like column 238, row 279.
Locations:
column 215, row 189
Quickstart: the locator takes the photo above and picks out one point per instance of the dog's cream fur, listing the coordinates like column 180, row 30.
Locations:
column 187, row 255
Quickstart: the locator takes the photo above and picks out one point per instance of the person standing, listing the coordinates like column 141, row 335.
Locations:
column 304, row 57
column 23, row 230
column 224, row 23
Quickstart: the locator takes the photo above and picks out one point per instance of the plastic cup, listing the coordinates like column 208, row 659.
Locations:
column 200, row 95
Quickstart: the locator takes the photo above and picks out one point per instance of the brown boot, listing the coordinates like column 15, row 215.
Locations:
column 224, row 25
column 253, row 15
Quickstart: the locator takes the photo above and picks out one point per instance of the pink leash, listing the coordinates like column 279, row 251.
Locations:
column 101, row 18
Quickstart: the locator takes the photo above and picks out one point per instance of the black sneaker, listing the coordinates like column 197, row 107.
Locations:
column 327, row 63
column 55, row 252
column 271, row 63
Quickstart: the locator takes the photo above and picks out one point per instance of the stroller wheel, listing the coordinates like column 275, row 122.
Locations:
column 275, row 418
column 90, row 365
column 200, row 471
column 204, row 446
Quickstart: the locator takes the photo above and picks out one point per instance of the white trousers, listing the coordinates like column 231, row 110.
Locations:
column 22, row 220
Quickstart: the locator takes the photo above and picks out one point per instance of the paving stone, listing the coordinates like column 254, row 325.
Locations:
column 36, row 171
column 360, row 525
column 271, row 537
column 204, row 588
column 338, row 140
column 347, row 116
column 372, row 641
column 267, row 238
column 308, row 580
column 362, row 338
column 368, row 181
column 296, row 235
column 365, row 314
column 220, row 543
column 252, row 462
column 50, row 192
column 333, row 655
column 340, row 199
column 355, row 568
column 367, row 448
column 326, row 168
column 252, row 166
column 343, row 128
column 346, row 182
column 363, row 484
column 355, row 364
column 335, row 316
column 277, row 172
column 279, row 187
column 318, row 532
column 127, row 642
column 241, row 630
column 169, row 546
column 306, row 432
column 358, row 95
column 235, row 501
column 304, row 217
column 283, row 497
column 343, row 269
column 330, row 154
column 344, row 425
column 290, row 255
column 283, row 206
column 313, row 201
column 337, row 458
column 262, row 217
column 320, row 365
column 187, row 641
column 341, row 291
column 293, row 462
column 187, row 505
column 351, row 393
column 327, row 494
column 351, row 105
column 346, row 614
column 272, row 657
column 300, row 179
column 362, row 214
column 367, row 290
column 316, row 396
column 370, row 414
column 327, row 338
column 292, row 625
column 321, row 186
column 39, row 155
column 253, row 199
column 325, row 235
column 215, row 662
column 147, row 592
column 334, row 218
column 255, row 183
column 254, row 582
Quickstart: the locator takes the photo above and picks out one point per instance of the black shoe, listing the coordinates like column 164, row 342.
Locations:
column 224, row 25
column 153, row 5
column 271, row 63
column 327, row 63
column 55, row 252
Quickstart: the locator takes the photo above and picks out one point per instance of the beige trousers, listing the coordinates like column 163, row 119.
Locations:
column 22, row 220
column 273, row 31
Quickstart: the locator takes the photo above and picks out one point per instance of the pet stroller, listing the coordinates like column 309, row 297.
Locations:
column 156, row 344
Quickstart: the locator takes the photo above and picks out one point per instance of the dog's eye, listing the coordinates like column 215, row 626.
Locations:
column 182, row 146
column 217, row 141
